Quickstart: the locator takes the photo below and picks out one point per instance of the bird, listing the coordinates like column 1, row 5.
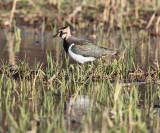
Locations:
column 81, row 50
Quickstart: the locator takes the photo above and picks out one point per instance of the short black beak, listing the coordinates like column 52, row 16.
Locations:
column 55, row 35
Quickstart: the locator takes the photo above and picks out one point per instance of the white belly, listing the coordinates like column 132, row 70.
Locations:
column 79, row 58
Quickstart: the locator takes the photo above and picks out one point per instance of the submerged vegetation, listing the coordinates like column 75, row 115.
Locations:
column 118, row 94
column 71, row 100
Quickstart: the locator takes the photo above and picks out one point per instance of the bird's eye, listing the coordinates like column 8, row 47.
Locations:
column 59, row 31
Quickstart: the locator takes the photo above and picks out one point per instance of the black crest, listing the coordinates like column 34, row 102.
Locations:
column 64, row 27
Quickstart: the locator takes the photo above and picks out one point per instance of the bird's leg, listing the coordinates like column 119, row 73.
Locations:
column 83, row 67
column 92, row 74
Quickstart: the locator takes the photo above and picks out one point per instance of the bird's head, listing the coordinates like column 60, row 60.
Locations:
column 64, row 32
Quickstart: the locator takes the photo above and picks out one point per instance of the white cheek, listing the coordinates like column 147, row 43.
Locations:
column 64, row 36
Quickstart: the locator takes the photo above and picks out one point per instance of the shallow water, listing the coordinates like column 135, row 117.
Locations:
column 76, row 108
column 35, row 47
column 32, row 47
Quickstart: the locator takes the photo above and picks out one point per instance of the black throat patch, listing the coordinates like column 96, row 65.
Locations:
column 65, row 45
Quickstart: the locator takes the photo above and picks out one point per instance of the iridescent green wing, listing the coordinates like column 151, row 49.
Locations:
column 89, row 49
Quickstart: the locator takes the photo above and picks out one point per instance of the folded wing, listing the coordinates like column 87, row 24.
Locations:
column 88, row 49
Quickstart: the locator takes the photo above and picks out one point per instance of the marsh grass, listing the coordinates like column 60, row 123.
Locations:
column 31, row 104
column 110, row 100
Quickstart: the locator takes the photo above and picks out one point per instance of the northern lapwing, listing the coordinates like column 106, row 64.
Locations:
column 81, row 50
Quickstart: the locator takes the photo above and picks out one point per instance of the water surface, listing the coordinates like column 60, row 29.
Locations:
column 35, row 47
column 74, row 108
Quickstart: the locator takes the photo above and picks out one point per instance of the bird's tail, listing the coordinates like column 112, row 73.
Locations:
column 113, row 53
